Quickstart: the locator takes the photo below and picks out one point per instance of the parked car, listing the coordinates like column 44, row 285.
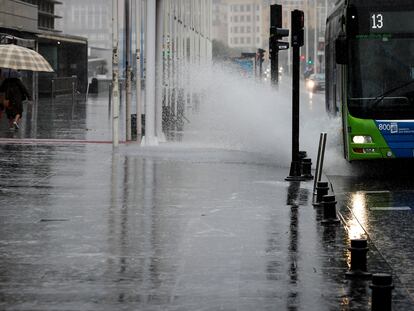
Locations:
column 316, row 82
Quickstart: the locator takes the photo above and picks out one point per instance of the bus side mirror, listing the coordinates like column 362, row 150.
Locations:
column 341, row 50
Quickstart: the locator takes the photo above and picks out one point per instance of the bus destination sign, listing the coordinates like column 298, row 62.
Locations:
column 391, row 22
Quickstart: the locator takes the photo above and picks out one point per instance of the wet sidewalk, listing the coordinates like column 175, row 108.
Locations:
column 163, row 228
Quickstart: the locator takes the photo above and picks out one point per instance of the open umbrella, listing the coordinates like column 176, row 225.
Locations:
column 21, row 58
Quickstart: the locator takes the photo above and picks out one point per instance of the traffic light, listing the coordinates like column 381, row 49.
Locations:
column 276, row 31
column 310, row 61
column 260, row 55
column 298, row 20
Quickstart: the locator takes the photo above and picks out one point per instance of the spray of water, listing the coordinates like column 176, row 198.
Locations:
column 238, row 113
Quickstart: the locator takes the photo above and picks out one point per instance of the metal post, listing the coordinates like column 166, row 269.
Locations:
column 260, row 67
column 358, row 251
column 274, row 66
column 150, row 138
column 138, row 22
column 295, row 168
column 36, row 80
column 128, row 97
column 115, row 75
column 295, row 112
column 319, row 161
column 73, row 92
column 109, row 98
column 53, row 90
column 307, row 45
column 381, row 286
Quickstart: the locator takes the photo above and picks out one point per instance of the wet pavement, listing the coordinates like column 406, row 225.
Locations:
column 175, row 227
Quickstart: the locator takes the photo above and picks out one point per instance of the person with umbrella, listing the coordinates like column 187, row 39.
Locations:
column 18, row 58
column 14, row 94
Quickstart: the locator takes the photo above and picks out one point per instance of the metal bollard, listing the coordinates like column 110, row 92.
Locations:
column 381, row 286
column 329, row 210
column 322, row 189
column 110, row 95
column 319, row 160
column 307, row 168
column 73, row 92
column 53, row 90
column 358, row 249
column 302, row 155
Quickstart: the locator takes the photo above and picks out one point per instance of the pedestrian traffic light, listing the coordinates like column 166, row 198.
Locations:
column 310, row 62
column 298, row 23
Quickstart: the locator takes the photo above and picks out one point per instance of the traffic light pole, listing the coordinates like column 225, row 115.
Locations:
column 260, row 53
column 295, row 169
column 274, row 65
column 297, row 42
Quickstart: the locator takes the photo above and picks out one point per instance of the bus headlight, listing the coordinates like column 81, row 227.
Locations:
column 362, row 139
column 311, row 84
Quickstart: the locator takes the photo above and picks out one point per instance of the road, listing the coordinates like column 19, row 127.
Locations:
column 379, row 196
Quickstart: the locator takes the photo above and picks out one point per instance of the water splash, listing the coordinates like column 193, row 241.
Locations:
column 238, row 113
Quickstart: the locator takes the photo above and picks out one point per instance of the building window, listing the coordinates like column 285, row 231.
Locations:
column 241, row 8
column 248, row 29
column 236, row 29
column 242, row 18
column 257, row 18
column 242, row 29
column 257, row 29
column 236, row 19
column 248, row 40
column 248, row 18
column 257, row 40
column 236, row 40
column 242, row 40
column 248, row 8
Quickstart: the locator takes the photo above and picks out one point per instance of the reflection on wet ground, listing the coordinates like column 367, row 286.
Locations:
column 377, row 203
column 85, row 229
column 175, row 228
column 63, row 118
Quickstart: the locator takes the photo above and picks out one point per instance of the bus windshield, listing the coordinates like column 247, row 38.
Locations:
column 381, row 68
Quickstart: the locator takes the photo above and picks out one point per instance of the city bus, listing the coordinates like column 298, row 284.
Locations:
column 370, row 77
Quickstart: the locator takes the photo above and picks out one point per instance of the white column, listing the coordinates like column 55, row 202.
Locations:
column 138, row 70
column 150, row 138
column 159, row 94
column 167, row 32
column 128, row 90
column 174, row 42
column 186, row 64
column 115, row 76
column 315, row 41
